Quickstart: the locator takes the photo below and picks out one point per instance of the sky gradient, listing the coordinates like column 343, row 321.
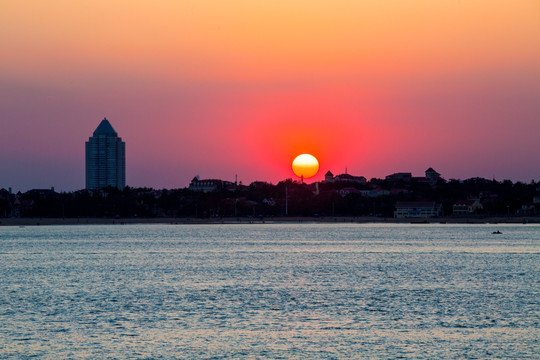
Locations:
column 218, row 88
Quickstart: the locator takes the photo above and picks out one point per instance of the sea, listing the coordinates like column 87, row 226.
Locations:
column 270, row 291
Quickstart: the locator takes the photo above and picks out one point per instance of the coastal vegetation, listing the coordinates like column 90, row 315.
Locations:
column 376, row 197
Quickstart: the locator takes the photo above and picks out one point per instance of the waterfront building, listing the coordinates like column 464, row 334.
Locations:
column 417, row 209
column 467, row 207
column 105, row 158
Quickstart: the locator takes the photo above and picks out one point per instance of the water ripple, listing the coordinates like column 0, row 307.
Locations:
column 270, row 291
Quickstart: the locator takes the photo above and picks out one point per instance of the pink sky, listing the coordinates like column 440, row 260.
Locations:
column 219, row 88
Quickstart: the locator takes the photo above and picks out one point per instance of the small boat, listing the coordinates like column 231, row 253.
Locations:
column 497, row 232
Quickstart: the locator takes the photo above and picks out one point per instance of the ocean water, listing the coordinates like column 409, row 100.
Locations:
column 270, row 291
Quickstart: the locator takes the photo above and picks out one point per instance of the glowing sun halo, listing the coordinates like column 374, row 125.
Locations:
column 305, row 166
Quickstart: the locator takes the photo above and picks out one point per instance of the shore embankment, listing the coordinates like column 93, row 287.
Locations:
column 266, row 220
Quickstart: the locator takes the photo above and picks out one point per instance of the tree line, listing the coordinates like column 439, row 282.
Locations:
column 286, row 198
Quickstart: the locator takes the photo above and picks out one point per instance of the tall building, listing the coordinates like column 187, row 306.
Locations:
column 105, row 158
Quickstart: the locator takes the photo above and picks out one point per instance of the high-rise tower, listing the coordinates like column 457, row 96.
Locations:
column 105, row 158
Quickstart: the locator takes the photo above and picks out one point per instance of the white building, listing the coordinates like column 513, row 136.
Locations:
column 467, row 207
column 417, row 209
column 105, row 158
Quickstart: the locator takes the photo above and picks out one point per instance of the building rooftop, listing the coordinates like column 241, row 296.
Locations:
column 105, row 128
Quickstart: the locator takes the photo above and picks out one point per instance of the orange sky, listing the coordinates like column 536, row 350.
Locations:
column 219, row 88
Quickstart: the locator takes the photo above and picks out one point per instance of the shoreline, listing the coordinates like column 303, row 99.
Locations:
column 269, row 220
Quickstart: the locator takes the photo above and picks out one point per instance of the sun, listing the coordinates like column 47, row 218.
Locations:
column 305, row 166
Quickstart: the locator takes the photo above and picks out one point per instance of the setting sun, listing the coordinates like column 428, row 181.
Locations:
column 305, row 166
